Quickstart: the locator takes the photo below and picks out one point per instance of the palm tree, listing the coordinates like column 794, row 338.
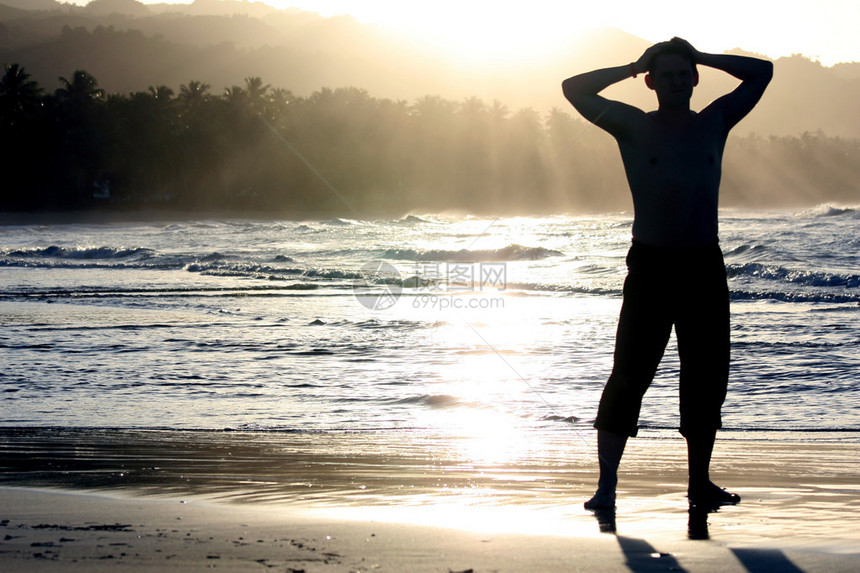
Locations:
column 236, row 95
column 18, row 94
column 283, row 96
column 473, row 109
column 256, row 91
column 82, row 136
column 193, row 95
column 161, row 93
column 81, row 90
column 281, row 102
column 499, row 112
column 25, row 139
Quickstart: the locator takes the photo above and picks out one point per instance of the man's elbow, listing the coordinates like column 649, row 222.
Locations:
column 766, row 73
column 570, row 89
column 565, row 87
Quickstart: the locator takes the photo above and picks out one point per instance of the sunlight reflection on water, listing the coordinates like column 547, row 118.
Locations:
column 253, row 324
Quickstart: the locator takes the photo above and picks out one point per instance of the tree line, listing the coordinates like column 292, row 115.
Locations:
column 341, row 151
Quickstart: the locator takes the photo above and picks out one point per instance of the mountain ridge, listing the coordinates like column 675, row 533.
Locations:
column 129, row 46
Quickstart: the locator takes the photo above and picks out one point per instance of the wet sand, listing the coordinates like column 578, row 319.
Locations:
column 110, row 500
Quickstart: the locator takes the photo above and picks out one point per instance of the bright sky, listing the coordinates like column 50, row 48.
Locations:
column 824, row 29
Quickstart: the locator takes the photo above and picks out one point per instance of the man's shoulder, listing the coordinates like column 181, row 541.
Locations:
column 615, row 117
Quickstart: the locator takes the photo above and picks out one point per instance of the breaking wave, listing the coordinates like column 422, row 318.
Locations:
column 793, row 276
column 512, row 252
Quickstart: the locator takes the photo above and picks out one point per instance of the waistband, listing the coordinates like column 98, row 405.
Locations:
column 715, row 246
column 643, row 256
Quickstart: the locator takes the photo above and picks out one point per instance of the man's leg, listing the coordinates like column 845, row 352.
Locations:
column 701, row 490
column 703, row 346
column 610, row 448
column 699, row 450
column 644, row 327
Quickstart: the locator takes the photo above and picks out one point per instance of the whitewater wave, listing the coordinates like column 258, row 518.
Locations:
column 211, row 264
column 793, row 276
column 746, row 252
column 511, row 252
column 80, row 253
column 557, row 418
column 342, row 222
column 411, row 219
column 797, row 296
column 826, row 210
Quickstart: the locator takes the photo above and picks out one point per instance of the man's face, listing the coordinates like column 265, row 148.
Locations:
column 673, row 79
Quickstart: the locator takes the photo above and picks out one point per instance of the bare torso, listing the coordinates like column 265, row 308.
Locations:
column 672, row 156
column 673, row 169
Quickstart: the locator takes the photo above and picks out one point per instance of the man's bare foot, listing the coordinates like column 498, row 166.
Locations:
column 711, row 494
column 600, row 501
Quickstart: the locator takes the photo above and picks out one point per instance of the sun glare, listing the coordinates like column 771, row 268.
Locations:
column 479, row 33
column 488, row 32
column 493, row 32
column 484, row 32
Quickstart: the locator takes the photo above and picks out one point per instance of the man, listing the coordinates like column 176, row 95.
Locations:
column 676, row 275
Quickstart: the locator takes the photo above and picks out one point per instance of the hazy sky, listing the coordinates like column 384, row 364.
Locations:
column 825, row 30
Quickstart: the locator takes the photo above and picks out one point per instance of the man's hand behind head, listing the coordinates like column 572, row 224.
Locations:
column 687, row 46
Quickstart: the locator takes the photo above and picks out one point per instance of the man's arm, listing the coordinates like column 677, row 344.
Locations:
column 581, row 91
column 755, row 75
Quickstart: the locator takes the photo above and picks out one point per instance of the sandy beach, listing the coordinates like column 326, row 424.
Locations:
column 102, row 500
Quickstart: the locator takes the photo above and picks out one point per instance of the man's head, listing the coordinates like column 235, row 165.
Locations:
column 672, row 48
column 672, row 74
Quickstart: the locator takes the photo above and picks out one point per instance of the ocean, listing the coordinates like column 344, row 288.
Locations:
column 429, row 325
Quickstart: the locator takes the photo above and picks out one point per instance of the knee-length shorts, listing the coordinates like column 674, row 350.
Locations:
column 685, row 288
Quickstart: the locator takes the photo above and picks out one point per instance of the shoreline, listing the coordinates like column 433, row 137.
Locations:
column 66, row 530
column 373, row 501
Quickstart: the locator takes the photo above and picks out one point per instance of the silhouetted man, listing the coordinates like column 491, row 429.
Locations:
column 676, row 274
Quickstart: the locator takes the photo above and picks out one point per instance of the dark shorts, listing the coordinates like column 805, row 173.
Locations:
column 665, row 287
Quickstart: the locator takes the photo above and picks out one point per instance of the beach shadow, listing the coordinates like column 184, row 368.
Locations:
column 642, row 557
column 765, row 561
column 753, row 560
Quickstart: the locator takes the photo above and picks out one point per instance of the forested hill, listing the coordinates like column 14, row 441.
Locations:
column 117, row 111
column 261, row 148
column 129, row 46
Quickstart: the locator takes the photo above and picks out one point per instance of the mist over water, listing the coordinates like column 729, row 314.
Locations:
column 230, row 323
